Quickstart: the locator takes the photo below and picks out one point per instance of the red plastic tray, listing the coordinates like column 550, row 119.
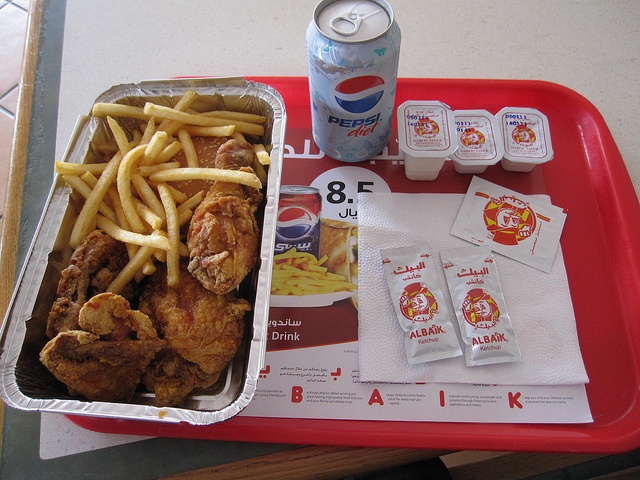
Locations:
column 602, row 256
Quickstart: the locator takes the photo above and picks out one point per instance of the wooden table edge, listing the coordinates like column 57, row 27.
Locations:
column 13, row 196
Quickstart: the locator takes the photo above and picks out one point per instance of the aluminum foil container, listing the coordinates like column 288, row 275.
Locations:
column 25, row 383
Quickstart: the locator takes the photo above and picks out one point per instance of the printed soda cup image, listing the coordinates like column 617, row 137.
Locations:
column 479, row 140
column 527, row 138
column 426, row 137
column 353, row 50
column 298, row 222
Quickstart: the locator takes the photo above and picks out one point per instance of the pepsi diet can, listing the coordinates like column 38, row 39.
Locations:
column 353, row 49
column 298, row 223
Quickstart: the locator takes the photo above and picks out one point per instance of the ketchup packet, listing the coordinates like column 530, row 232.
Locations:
column 477, row 298
column 517, row 226
column 419, row 304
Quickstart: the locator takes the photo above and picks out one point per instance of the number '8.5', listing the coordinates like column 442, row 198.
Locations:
column 336, row 189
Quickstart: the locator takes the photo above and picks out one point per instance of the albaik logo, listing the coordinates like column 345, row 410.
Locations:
column 417, row 303
column 480, row 310
column 509, row 220
column 358, row 95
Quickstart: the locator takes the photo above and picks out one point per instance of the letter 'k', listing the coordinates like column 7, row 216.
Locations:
column 513, row 400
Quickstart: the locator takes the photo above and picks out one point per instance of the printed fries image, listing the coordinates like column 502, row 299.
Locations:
column 301, row 273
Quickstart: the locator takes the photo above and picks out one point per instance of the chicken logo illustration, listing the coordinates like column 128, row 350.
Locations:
column 360, row 94
column 472, row 138
column 417, row 303
column 509, row 220
column 523, row 135
column 480, row 309
column 426, row 127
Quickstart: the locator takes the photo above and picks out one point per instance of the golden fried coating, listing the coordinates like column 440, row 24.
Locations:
column 234, row 154
column 203, row 332
column 172, row 378
column 105, row 358
column 92, row 267
column 223, row 234
column 223, row 238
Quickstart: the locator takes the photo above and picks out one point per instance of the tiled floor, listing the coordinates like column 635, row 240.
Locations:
column 13, row 27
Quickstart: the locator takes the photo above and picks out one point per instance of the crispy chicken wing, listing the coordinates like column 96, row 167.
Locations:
column 223, row 233
column 172, row 378
column 203, row 331
column 92, row 267
column 103, row 359
column 234, row 154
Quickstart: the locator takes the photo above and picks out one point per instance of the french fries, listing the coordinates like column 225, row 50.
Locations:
column 300, row 273
column 241, row 116
column 80, row 186
column 173, row 232
column 154, row 241
column 189, row 149
column 86, row 217
column 64, row 168
column 116, row 110
column 129, row 198
column 167, row 113
column 124, row 187
column 222, row 131
column 154, row 147
column 217, row 174
column 262, row 154
column 121, row 138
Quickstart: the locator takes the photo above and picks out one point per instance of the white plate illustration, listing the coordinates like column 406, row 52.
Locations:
column 321, row 300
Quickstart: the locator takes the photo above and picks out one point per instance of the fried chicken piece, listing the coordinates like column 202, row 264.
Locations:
column 92, row 267
column 105, row 360
column 223, row 238
column 223, row 233
column 234, row 154
column 172, row 378
column 203, row 332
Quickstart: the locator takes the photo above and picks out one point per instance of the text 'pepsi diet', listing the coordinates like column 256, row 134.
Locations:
column 353, row 50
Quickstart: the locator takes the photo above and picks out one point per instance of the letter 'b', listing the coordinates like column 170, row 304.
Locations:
column 296, row 394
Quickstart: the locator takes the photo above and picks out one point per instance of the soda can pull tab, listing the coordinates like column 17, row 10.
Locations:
column 346, row 24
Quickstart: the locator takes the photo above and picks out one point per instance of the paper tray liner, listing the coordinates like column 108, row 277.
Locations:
column 26, row 383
